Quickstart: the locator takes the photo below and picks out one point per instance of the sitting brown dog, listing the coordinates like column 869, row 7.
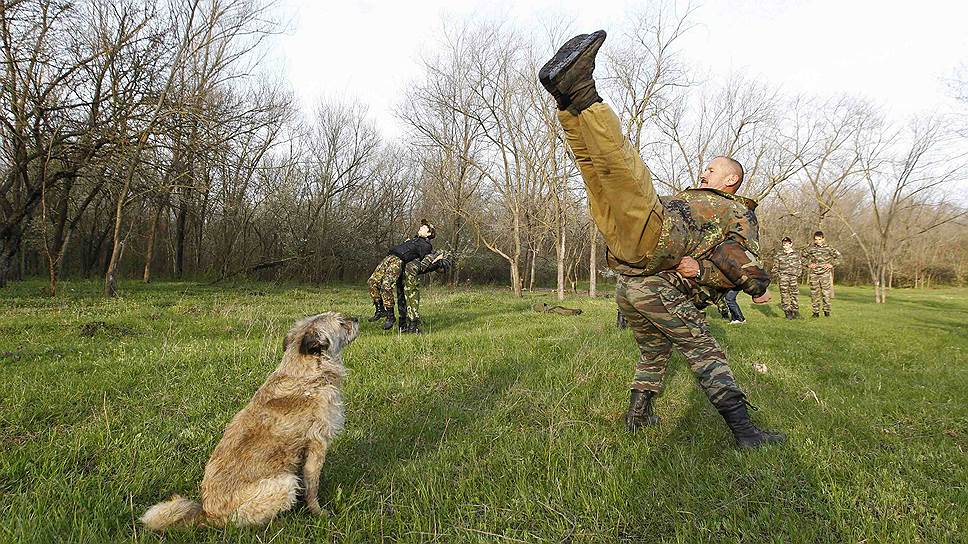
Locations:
column 252, row 474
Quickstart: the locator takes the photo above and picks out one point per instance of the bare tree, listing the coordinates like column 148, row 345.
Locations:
column 909, row 196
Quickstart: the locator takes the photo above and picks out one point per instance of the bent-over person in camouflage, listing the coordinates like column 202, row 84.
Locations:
column 408, row 289
column 647, row 239
column 384, row 277
column 821, row 260
column 787, row 267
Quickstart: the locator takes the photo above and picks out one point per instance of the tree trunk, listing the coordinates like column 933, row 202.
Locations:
column 150, row 250
column 181, row 220
column 516, row 283
column 7, row 254
column 561, row 264
column 110, row 277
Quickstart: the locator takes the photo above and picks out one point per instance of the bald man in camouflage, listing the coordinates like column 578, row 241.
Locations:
column 651, row 244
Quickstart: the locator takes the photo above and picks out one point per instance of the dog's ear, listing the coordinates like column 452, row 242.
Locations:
column 312, row 344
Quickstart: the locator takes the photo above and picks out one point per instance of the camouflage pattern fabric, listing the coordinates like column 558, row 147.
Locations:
column 820, row 278
column 408, row 286
column 820, row 287
column 409, row 289
column 787, row 267
column 731, row 266
column 663, row 317
column 383, row 280
column 820, row 254
column 645, row 234
column 723, row 309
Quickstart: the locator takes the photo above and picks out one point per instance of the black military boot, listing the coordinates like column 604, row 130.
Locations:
column 738, row 419
column 391, row 320
column 620, row 321
column 404, row 322
column 414, row 327
column 640, row 412
column 379, row 313
column 568, row 75
column 826, row 313
column 815, row 314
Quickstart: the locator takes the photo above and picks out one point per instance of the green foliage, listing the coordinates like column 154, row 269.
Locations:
column 501, row 425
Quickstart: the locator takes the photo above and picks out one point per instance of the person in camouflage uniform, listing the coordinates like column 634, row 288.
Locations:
column 384, row 277
column 821, row 260
column 787, row 267
column 408, row 289
column 661, row 288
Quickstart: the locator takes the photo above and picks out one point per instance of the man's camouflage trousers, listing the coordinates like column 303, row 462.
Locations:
column 662, row 318
column 384, row 279
column 789, row 292
column 408, row 291
column 820, row 290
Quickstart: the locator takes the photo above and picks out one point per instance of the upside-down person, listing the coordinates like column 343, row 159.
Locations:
column 664, row 252
column 384, row 278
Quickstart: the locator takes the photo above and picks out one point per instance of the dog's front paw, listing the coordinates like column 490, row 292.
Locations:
column 316, row 510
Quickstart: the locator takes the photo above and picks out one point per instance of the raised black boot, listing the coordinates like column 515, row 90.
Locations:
column 568, row 75
column 379, row 313
column 391, row 320
column 640, row 412
column 404, row 322
column 738, row 420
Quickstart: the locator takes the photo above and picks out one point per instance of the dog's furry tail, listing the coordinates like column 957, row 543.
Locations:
column 175, row 511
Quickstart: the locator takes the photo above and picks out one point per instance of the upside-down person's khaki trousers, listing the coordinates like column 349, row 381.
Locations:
column 622, row 198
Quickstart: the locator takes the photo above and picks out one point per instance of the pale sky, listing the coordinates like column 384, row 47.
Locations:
column 897, row 54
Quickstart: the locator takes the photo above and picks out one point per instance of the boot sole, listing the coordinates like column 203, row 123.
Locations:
column 565, row 58
column 776, row 440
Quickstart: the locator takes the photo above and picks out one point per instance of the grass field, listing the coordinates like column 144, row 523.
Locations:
column 501, row 425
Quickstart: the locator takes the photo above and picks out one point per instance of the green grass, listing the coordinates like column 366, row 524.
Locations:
column 501, row 425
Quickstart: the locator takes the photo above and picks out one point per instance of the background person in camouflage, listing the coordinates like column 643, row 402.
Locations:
column 821, row 260
column 384, row 277
column 408, row 289
column 646, row 238
column 787, row 267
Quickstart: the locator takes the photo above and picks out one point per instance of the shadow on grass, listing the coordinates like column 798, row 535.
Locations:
column 768, row 310
column 418, row 423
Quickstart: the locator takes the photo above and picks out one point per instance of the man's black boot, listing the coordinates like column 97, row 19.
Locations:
column 815, row 314
column 738, row 420
column 640, row 412
column 404, row 322
column 826, row 313
column 391, row 319
column 414, row 327
column 568, row 75
column 379, row 313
